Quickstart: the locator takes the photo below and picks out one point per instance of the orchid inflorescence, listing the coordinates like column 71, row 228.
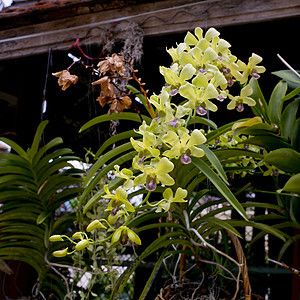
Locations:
column 202, row 72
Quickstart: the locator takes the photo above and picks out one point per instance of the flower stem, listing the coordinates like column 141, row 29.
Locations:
column 143, row 202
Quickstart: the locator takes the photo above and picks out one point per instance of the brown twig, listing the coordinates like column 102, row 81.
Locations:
column 283, row 265
column 138, row 80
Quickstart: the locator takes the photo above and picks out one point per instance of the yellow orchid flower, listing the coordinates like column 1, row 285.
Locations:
column 168, row 199
column 251, row 68
column 176, row 77
column 184, row 146
column 156, row 172
column 146, row 148
column 125, row 174
column 117, row 199
column 239, row 101
column 123, row 233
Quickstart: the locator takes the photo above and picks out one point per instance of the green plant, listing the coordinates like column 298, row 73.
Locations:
column 275, row 127
column 170, row 158
column 33, row 185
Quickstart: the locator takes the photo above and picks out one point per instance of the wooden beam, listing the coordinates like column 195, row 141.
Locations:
column 157, row 18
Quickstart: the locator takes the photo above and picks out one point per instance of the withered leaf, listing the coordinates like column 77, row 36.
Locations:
column 107, row 93
column 119, row 104
column 112, row 64
column 65, row 79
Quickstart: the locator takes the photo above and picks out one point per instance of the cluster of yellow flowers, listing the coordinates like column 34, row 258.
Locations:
column 202, row 72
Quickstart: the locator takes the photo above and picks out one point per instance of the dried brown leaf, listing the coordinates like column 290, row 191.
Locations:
column 112, row 64
column 65, row 79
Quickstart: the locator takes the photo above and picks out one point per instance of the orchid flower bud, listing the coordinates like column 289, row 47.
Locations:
column 77, row 235
column 55, row 238
column 95, row 224
column 81, row 245
column 60, row 253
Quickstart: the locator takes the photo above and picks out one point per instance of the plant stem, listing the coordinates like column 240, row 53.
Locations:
column 132, row 214
column 289, row 66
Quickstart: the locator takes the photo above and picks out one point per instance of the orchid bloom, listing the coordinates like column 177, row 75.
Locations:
column 123, row 233
column 163, row 105
column 238, row 101
column 168, row 199
column 156, row 172
column 117, row 199
column 184, row 146
column 125, row 174
column 199, row 96
column 172, row 77
column 251, row 68
column 146, row 148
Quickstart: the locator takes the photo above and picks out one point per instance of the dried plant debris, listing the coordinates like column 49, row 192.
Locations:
column 65, row 79
column 111, row 65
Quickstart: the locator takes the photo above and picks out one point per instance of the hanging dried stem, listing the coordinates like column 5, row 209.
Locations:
column 242, row 260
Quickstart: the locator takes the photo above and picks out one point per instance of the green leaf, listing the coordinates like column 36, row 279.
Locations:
column 293, row 184
column 257, row 129
column 161, row 242
column 270, row 142
column 288, row 120
column 15, row 147
column 285, row 159
column 221, row 223
column 223, row 154
column 112, row 185
column 269, row 229
column 116, row 138
column 153, row 275
column 204, row 121
column 119, row 161
column 104, row 158
column 221, row 130
column 122, row 116
column 56, row 141
column 261, row 107
column 291, row 95
column 275, row 103
column 296, row 136
column 215, row 162
column 287, row 75
column 37, row 139
column 220, row 185
column 195, row 199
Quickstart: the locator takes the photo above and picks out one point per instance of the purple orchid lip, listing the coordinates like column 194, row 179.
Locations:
column 173, row 92
column 255, row 75
column 226, row 71
column 185, row 159
column 203, row 71
column 201, row 111
column 220, row 98
column 173, row 123
column 141, row 160
column 151, row 185
column 240, row 107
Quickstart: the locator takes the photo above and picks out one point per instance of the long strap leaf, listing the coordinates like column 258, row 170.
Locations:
column 220, row 186
column 122, row 116
column 152, row 276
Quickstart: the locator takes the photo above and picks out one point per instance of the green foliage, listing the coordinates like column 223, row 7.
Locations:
column 32, row 186
column 176, row 158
